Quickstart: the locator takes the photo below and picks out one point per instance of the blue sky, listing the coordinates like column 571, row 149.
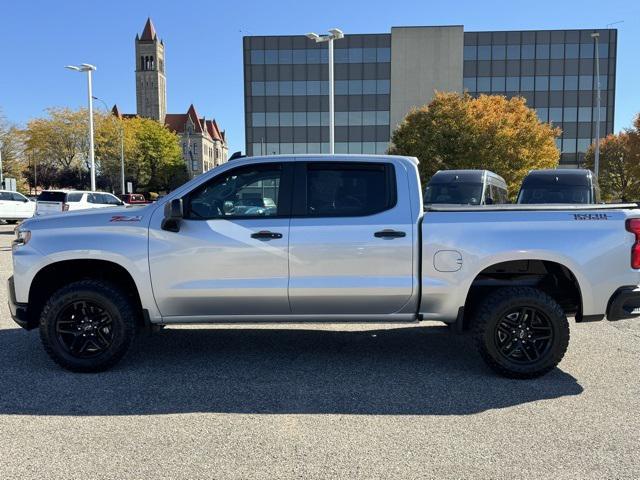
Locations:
column 204, row 45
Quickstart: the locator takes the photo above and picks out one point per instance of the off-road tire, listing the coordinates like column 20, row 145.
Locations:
column 496, row 308
column 122, row 324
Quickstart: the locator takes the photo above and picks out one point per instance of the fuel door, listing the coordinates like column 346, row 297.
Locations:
column 447, row 260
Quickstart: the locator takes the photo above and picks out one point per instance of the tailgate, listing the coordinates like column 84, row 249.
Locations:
column 48, row 207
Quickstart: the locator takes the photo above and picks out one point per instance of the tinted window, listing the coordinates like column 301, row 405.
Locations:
column 251, row 191
column 457, row 193
column 555, row 194
column 349, row 189
column 52, row 196
column 18, row 198
column 6, row 196
column 74, row 197
column 109, row 199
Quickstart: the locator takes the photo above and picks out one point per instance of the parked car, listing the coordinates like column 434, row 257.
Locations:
column 15, row 207
column 58, row 201
column 133, row 198
column 350, row 242
column 571, row 185
column 466, row 187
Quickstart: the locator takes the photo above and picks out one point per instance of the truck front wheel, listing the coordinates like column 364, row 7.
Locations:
column 88, row 326
column 521, row 332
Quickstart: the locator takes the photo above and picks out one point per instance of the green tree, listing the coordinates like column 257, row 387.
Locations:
column 619, row 175
column 14, row 162
column 157, row 160
column 457, row 131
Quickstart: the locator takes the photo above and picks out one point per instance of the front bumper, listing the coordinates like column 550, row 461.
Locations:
column 19, row 311
column 624, row 303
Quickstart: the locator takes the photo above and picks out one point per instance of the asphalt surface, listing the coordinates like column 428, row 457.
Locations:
column 334, row 401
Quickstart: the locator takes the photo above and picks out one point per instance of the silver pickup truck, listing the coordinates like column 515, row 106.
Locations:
column 324, row 239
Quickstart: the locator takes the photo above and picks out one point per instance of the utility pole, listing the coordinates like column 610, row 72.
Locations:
column 596, row 37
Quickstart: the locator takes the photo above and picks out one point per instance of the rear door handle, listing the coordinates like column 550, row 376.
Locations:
column 389, row 234
column 266, row 235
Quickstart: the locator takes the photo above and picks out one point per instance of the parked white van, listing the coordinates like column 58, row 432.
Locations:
column 14, row 206
column 58, row 201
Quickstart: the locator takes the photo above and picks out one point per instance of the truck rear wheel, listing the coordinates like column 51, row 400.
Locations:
column 88, row 326
column 521, row 332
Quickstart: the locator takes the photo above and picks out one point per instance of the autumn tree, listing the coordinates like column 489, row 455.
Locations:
column 457, row 131
column 12, row 150
column 59, row 146
column 619, row 174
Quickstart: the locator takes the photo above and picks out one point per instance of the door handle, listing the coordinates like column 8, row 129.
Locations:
column 266, row 235
column 389, row 234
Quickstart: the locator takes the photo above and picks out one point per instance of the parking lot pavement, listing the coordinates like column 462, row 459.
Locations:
column 333, row 401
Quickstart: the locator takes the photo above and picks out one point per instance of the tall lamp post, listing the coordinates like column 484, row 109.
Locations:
column 596, row 37
column 334, row 34
column 85, row 67
column 1, row 178
column 121, row 145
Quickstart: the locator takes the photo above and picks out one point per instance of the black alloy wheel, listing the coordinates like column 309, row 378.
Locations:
column 521, row 332
column 84, row 329
column 524, row 335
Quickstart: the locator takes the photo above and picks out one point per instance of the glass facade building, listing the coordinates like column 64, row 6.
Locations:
column 286, row 85
column 555, row 71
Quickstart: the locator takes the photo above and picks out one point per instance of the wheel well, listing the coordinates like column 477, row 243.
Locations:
column 553, row 278
column 57, row 275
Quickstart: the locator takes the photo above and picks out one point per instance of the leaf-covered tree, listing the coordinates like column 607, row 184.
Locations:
column 457, row 131
column 157, row 157
column 58, row 144
column 619, row 175
column 12, row 150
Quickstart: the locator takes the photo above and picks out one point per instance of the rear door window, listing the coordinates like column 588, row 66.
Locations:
column 74, row 197
column 6, row 196
column 18, row 198
column 349, row 189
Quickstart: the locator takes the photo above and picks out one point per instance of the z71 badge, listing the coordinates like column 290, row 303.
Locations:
column 126, row 218
column 590, row 216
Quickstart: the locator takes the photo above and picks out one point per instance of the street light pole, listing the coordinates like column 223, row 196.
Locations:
column 85, row 67
column 596, row 37
column 1, row 177
column 334, row 34
column 121, row 144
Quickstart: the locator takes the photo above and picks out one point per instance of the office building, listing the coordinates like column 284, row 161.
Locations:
column 380, row 77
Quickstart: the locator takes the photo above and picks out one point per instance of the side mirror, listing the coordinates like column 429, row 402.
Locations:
column 489, row 201
column 173, row 213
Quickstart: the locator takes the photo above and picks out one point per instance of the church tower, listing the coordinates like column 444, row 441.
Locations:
column 151, row 84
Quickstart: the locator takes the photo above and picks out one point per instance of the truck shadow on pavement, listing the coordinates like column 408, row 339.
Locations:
column 397, row 371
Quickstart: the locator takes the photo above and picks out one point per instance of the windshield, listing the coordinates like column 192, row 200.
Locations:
column 555, row 194
column 456, row 193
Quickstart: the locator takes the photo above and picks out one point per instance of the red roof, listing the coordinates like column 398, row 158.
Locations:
column 149, row 32
column 213, row 130
column 175, row 121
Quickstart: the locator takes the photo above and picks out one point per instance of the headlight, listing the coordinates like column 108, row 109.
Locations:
column 22, row 237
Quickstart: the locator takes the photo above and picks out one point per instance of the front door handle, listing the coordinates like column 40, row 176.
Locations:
column 389, row 234
column 266, row 235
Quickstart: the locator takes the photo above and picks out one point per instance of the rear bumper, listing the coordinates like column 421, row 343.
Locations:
column 624, row 303
column 19, row 311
